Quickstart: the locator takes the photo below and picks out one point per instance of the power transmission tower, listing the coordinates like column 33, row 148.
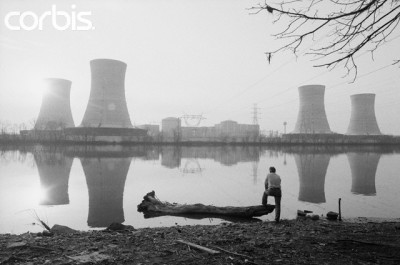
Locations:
column 193, row 120
column 255, row 114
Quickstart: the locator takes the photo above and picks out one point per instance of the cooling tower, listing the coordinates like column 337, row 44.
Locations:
column 54, row 169
column 105, row 177
column 312, row 117
column 362, row 119
column 312, row 171
column 55, row 112
column 363, row 169
column 107, row 104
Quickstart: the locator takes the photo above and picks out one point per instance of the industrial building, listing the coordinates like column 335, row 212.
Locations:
column 152, row 130
column 362, row 119
column 232, row 129
column 311, row 118
column 55, row 111
column 171, row 129
column 198, row 134
column 225, row 131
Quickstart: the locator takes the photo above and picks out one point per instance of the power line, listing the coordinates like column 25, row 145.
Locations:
column 295, row 86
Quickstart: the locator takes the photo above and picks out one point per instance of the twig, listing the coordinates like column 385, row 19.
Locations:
column 234, row 253
column 43, row 223
column 198, row 247
column 40, row 248
column 364, row 242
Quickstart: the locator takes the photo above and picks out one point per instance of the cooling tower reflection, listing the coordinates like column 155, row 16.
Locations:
column 54, row 169
column 363, row 169
column 105, row 178
column 312, row 171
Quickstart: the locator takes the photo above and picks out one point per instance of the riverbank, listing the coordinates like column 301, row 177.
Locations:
column 98, row 136
column 301, row 241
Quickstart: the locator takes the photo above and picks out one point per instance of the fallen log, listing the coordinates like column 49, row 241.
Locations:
column 153, row 207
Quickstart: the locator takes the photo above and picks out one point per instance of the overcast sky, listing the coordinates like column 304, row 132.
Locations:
column 184, row 57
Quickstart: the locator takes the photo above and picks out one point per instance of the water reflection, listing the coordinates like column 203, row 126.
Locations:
column 312, row 169
column 107, row 168
column 171, row 156
column 363, row 169
column 226, row 155
column 54, row 169
column 105, row 178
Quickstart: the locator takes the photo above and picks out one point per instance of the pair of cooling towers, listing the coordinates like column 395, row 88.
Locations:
column 107, row 106
column 312, row 118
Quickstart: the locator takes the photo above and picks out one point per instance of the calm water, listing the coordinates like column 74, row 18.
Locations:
column 90, row 187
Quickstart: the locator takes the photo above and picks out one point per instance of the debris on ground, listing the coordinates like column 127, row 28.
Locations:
column 300, row 241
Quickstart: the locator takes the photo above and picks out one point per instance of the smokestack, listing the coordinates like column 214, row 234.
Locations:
column 55, row 112
column 107, row 106
column 312, row 117
column 363, row 169
column 362, row 119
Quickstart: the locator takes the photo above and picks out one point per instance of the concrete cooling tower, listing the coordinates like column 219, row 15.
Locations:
column 312, row 171
column 311, row 118
column 362, row 119
column 363, row 169
column 54, row 169
column 107, row 104
column 55, row 112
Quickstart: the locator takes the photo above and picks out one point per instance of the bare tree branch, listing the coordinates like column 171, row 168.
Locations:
column 347, row 27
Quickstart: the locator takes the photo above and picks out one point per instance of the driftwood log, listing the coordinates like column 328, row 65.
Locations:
column 153, row 207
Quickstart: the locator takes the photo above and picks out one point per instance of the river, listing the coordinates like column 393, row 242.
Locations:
column 88, row 187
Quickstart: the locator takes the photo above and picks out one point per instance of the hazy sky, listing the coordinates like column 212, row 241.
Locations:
column 184, row 57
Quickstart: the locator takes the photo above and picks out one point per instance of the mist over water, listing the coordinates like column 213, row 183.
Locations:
column 88, row 187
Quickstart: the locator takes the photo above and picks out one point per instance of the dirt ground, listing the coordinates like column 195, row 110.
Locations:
column 301, row 241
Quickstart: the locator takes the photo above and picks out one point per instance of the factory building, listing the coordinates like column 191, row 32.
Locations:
column 55, row 111
column 151, row 129
column 224, row 131
column 198, row 134
column 311, row 118
column 362, row 119
column 232, row 129
column 107, row 106
column 171, row 129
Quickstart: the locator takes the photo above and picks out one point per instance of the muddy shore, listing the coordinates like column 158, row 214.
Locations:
column 300, row 241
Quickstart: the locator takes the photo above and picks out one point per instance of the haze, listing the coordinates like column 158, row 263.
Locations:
column 185, row 57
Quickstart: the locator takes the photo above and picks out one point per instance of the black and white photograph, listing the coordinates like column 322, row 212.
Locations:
column 199, row 132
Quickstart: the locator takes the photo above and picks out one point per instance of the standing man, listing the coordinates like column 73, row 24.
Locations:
column 273, row 188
